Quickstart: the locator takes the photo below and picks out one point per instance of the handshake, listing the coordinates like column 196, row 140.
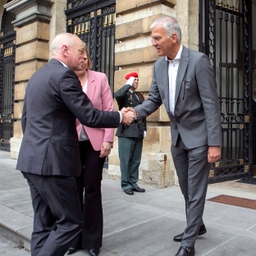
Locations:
column 128, row 115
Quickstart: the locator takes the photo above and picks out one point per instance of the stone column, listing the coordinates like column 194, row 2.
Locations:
column 32, row 52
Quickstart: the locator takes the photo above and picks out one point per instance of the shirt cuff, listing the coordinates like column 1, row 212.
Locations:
column 121, row 118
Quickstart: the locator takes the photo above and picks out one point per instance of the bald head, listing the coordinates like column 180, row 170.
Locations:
column 64, row 38
column 69, row 49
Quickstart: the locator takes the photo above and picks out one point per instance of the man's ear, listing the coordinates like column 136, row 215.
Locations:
column 174, row 37
column 65, row 50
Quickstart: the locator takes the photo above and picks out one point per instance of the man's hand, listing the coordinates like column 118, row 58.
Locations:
column 213, row 154
column 128, row 115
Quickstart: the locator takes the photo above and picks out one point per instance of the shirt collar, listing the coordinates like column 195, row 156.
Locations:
column 177, row 57
column 62, row 63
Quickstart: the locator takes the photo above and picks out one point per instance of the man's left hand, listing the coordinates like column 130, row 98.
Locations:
column 213, row 154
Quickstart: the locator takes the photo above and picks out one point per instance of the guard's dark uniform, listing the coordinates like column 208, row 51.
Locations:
column 130, row 138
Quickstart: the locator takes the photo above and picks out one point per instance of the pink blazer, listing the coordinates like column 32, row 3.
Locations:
column 98, row 91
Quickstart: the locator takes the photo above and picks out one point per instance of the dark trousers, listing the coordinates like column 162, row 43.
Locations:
column 89, row 184
column 192, row 169
column 130, row 150
column 57, row 214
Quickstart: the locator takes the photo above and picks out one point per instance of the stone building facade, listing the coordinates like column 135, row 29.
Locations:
column 38, row 21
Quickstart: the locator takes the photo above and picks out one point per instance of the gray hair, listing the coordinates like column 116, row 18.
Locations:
column 60, row 40
column 170, row 25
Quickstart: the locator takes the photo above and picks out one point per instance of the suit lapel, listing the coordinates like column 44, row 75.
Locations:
column 165, row 82
column 184, row 60
column 90, row 85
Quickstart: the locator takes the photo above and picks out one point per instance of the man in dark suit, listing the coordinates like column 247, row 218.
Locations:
column 184, row 81
column 130, row 138
column 49, row 155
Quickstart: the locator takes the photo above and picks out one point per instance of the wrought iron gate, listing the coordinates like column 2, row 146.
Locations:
column 226, row 37
column 94, row 22
column 7, row 64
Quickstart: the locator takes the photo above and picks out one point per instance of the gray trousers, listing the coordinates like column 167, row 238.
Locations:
column 192, row 170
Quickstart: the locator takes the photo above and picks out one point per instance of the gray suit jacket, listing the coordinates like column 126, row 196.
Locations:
column 197, row 112
column 53, row 100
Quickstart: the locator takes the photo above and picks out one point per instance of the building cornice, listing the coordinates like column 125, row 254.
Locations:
column 28, row 11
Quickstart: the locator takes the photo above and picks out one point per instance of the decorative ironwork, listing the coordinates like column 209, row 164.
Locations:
column 211, row 173
column 230, row 4
column 225, row 37
column 7, row 51
column 246, row 168
column 94, row 23
column 75, row 3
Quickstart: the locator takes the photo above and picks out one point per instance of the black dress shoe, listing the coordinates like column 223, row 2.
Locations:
column 138, row 189
column 71, row 250
column 128, row 191
column 202, row 230
column 186, row 251
column 94, row 251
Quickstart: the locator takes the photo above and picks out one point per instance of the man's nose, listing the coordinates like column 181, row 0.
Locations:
column 153, row 41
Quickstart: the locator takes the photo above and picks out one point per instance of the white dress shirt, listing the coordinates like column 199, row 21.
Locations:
column 172, row 74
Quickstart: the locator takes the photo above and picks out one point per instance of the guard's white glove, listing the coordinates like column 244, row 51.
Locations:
column 130, row 81
column 145, row 134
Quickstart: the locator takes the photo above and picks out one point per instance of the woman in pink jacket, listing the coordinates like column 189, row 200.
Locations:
column 95, row 145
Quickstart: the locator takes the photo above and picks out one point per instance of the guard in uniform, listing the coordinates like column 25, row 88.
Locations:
column 130, row 138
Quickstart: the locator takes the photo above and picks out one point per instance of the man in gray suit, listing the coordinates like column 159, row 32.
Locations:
column 184, row 81
column 49, row 156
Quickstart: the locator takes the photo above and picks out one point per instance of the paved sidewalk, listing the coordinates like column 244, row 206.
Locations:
column 143, row 224
column 10, row 248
